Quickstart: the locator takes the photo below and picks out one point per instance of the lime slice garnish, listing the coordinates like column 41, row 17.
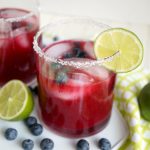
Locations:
column 16, row 101
column 126, row 42
column 144, row 102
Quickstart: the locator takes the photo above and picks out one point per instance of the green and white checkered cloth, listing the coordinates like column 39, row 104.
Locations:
column 126, row 92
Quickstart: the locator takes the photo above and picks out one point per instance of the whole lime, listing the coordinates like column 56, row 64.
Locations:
column 144, row 102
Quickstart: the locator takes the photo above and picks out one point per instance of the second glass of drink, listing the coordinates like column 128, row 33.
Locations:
column 19, row 22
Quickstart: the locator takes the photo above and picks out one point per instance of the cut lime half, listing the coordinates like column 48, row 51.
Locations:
column 16, row 101
column 126, row 42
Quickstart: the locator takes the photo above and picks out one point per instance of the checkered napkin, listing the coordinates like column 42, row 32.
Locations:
column 126, row 92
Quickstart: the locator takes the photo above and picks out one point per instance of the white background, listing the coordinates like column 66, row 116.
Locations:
column 121, row 10
column 131, row 14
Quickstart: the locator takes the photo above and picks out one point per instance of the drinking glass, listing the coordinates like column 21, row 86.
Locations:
column 19, row 22
column 75, row 89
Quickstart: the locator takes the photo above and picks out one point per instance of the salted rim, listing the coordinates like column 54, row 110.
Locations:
column 20, row 18
column 88, row 63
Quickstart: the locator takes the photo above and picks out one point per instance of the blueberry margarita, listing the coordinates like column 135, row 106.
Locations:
column 66, row 93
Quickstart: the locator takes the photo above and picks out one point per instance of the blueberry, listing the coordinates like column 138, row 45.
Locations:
column 68, row 55
column 81, row 54
column 47, row 144
column 104, row 144
column 55, row 38
column 76, row 50
column 61, row 77
column 56, row 66
column 16, row 25
column 36, row 129
column 27, row 144
column 30, row 121
column 34, row 90
column 11, row 134
column 83, row 145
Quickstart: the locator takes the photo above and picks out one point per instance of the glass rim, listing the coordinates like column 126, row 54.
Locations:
column 86, row 63
column 20, row 18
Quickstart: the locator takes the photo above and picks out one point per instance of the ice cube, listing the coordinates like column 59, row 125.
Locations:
column 5, row 28
column 22, row 39
column 65, row 95
column 5, row 41
column 4, row 35
column 17, row 31
column 58, row 50
column 81, row 78
column 98, row 72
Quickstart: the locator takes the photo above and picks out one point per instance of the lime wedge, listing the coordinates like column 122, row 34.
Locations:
column 126, row 42
column 16, row 101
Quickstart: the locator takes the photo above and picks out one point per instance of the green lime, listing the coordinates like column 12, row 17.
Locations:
column 144, row 102
column 16, row 101
column 126, row 42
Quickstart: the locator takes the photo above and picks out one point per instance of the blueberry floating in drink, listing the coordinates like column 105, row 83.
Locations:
column 61, row 77
column 68, row 55
column 81, row 54
column 78, row 50
column 56, row 66
column 16, row 25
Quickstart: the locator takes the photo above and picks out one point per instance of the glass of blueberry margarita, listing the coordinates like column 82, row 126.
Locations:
column 19, row 22
column 75, row 89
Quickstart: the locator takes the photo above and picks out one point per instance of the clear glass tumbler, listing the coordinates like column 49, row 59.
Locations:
column 19, row 22
column 75, row 89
